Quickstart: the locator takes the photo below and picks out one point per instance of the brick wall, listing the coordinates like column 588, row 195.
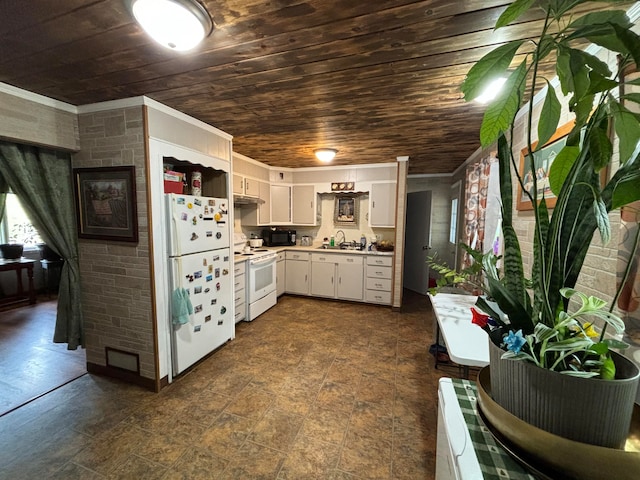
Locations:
column 116, row 283
column 598, row 276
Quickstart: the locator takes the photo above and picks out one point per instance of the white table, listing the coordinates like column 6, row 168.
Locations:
column 467, row 344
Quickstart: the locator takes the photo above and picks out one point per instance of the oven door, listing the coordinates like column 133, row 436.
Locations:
column 262, row 276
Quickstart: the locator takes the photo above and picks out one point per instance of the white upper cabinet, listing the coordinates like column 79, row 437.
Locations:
column 264, row 208
column 238, row 184
column 280, row 204
column 245, row 186
column 304, row 204
column 382, row 204
column 258, row 215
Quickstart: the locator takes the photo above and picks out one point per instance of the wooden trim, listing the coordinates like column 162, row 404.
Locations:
column 152, row 272
column 129, row 377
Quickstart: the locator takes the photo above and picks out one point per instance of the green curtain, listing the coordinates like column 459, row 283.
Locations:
column 4, row 189
column 42, row 180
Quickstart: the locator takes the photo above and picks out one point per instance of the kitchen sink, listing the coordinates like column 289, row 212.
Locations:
column 344, row 246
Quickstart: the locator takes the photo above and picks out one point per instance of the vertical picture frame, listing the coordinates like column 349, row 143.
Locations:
column 543, row 159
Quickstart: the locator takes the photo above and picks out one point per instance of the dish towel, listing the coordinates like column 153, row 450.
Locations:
column 181, row 306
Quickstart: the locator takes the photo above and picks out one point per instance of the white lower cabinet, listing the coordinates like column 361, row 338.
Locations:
column 337, row 276
column 359, row 278
column 378, row 283
column 280, row 274
column 240, row 291
column 297, row 273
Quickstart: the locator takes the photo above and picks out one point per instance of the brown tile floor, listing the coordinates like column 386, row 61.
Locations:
column 311, row 389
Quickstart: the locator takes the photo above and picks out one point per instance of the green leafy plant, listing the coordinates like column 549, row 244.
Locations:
column 538, row 307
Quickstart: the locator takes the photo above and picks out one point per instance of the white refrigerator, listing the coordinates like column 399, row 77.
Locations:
column 201, row 285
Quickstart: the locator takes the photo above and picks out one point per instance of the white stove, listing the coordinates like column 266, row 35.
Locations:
column 261, row 275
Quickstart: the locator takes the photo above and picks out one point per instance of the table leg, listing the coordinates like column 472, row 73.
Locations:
column 437, row 343
column 32, row 290
column 19, row 278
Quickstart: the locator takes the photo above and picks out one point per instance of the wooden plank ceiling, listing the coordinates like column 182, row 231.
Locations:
column 374, row 79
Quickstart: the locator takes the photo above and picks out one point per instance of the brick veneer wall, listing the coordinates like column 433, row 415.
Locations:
column 598, row 275
column 116, row 286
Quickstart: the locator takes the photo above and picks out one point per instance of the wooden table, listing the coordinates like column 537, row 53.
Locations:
column 467, row 344
column 18, row 265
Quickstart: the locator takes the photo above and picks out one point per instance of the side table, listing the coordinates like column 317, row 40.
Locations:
column 51, row 270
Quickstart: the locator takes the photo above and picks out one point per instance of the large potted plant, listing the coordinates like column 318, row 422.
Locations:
column 534, row 322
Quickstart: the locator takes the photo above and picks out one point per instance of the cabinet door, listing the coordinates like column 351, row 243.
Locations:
column 323, row 282
column 280, row 204
column 382, row 205
column 238, row 184
column 264, row 209
column 280, row 277
column 304, row 205
column 350, row 281
column 251, row 187
column 297, row 276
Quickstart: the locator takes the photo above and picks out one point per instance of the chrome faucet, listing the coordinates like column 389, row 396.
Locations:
column 344, row 238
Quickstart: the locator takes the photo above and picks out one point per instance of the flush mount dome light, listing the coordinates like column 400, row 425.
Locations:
column 325, row 154
column 176, row 24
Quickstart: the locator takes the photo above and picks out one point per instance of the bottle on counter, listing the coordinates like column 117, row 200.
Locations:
column 332, row 242
column 363, row 242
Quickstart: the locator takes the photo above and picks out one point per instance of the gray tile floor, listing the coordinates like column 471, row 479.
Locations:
column 311, row 389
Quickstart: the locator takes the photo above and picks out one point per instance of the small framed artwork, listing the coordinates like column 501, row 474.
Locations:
column 345, row 210
column 543, row 159
column 106, row 203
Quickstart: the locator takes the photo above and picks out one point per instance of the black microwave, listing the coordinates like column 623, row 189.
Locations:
column 278, row 237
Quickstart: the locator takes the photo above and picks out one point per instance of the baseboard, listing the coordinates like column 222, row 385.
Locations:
column 129, row 377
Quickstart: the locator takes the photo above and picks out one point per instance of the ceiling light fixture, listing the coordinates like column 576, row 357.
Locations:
column 325, row 154
column 175, row 24
column 491, row 91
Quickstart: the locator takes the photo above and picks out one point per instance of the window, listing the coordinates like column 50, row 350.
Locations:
column 453, row 227
column 16, row 226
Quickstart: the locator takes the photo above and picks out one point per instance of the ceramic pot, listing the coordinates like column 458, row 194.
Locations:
column 588, row 410
column 11, row 251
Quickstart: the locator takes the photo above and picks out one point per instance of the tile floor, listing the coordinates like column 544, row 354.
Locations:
column 311, row 389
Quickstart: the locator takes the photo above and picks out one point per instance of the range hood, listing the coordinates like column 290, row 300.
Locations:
column 244, row 200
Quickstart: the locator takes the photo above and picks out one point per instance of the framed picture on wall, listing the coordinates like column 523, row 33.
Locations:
column 106, row 203
column 543, row 159
column 345, row 210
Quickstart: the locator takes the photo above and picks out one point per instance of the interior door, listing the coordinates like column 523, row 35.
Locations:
column 417, row 242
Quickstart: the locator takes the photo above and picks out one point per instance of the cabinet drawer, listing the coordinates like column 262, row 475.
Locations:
column 378, row 272
column 239, row 267
column 281, row 256
column 382, row 284
column 297, row 255
column 351, row 260
column 240, row 314
column 385, row 261
column 375, row 296
column 324, row 257
column 240, row 299
column 238, row 282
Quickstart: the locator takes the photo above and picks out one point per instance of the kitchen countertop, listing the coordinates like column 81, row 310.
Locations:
column 312, row 249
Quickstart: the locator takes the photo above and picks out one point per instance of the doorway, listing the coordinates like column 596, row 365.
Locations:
column 417, row 242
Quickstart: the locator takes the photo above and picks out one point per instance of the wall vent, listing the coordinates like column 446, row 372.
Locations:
column 123, row 360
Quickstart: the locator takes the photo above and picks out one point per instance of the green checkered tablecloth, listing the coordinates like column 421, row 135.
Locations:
column 494, row 462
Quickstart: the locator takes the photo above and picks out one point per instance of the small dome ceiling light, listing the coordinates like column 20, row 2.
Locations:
column 176, row 24
column 325, row 154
